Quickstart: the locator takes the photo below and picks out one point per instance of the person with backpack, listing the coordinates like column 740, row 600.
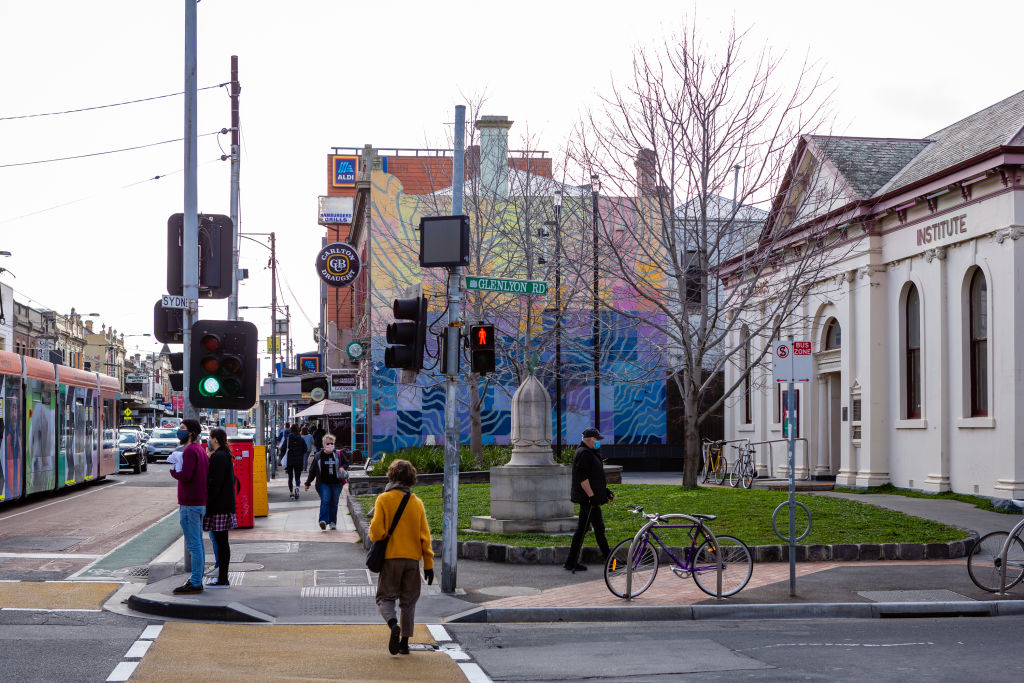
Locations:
column 295, row 456
column 330, row 470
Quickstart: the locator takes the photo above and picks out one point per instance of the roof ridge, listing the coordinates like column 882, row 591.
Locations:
column 865, row 137
column 936, row 135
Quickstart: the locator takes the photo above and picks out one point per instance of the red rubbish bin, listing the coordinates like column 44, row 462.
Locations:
column 241, row 456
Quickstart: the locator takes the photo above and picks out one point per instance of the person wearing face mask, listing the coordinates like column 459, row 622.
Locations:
column 192, row 475
column 330, row 470
column 590, row 491
column 220, row 504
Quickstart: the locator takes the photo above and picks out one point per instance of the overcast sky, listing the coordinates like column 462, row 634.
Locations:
column 90, row 233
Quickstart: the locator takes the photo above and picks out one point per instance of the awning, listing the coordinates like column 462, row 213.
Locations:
column 325, row 407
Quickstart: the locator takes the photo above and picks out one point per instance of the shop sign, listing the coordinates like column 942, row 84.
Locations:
column 343, row 171
column 337, row 264
column 335, row 210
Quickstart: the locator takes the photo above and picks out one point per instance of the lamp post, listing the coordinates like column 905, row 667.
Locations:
column 558, row 322
column 595, row 189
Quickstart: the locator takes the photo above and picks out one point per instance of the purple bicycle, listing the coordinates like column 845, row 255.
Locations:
column 706, row 554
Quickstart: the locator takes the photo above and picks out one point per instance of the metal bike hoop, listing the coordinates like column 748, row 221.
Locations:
column 785, row 504
column 643, row 532
column 1013, row 535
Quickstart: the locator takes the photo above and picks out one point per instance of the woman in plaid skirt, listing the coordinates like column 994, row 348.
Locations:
column 220, row 503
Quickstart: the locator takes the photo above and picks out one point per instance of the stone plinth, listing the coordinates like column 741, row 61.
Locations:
column 529, row 499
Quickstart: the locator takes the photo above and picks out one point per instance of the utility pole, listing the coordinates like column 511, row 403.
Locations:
column 595, row 187
column 190, row 248
column 450, row 495
column 232, row 415
column 273, row 343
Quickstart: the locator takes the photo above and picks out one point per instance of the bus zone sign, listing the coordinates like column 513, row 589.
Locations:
column 792, row 361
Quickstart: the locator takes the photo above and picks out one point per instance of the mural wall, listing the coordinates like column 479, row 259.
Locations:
column 632, row 385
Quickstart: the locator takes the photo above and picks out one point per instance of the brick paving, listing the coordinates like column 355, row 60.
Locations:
column 669, row 589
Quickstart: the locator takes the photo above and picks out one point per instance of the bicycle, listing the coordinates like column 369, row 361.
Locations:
column 716, row 467
column 744, row 471
column 996, row 562
column 632, row 565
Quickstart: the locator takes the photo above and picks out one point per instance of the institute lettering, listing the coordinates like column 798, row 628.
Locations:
column 957, row 225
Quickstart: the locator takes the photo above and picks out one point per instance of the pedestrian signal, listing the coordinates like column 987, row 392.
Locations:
column 481, row 349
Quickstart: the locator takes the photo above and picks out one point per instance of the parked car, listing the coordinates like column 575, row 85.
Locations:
column 130, row 452
column 161, row 444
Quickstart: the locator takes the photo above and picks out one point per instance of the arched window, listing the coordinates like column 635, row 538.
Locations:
column 979, row 343
column 833, row 334
column 747, row 417
column 912, row 311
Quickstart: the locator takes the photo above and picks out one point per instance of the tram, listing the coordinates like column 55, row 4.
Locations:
column 52, row 419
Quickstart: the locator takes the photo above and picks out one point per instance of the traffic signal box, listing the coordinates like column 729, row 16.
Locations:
column 215, row 246
column 177, row 377
column 481, row 349
column 223, row 364
column 407, row 335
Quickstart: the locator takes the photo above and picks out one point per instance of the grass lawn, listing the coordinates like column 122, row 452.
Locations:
column 977, row 501
column 743, row 514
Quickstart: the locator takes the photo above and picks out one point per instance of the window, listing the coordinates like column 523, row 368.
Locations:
column 747, row 417
column 692, row 279
column 978, row 300
column 833, row 335
column 913, row 352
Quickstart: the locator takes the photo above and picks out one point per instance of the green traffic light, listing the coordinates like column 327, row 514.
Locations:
column 209, row 386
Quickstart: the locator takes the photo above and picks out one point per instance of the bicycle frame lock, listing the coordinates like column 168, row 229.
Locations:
column 641, row 537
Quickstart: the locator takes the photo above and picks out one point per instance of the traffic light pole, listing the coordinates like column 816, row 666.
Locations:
column 450, row 495
column 190, row 250
column 232, row 415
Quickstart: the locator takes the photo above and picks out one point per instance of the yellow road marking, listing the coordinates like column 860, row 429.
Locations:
column 56, row 595
column 229, row 652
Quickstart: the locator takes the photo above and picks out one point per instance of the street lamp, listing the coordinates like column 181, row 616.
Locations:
column 558, row 321
column 595, row 189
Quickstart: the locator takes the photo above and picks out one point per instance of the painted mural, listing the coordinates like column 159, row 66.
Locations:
column 632, row 386
column 40, row 427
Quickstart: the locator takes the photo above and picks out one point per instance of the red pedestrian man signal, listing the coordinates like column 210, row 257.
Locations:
column 481, row 349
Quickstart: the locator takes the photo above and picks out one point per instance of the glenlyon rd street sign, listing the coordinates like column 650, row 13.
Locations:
column 497, row 284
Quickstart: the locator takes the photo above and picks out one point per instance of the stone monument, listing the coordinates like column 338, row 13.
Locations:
column 531, row 493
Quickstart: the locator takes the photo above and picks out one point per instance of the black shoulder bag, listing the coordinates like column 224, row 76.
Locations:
column 375, row 555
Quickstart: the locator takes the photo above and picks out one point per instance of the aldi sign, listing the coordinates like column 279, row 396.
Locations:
column 343, row 171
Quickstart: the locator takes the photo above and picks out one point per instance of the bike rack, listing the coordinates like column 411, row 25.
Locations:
column 771, row 455
column 1012, row 536
column 652, row 522
column 785, row 504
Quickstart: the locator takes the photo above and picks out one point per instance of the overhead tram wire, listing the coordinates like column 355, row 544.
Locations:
column 104, row 106
column 96, row 154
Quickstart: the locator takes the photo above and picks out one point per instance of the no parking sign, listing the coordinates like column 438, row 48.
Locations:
column 792, row 361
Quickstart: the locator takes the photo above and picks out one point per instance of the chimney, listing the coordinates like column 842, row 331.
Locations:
column 647, row 173
column 494, row 154
column 88, row 327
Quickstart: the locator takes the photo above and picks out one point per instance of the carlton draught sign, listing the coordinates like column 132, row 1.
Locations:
column 337, row 264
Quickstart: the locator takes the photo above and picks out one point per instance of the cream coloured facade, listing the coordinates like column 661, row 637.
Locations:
column 918, row 327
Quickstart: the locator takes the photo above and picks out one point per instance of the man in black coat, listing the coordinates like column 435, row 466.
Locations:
column 590, row 490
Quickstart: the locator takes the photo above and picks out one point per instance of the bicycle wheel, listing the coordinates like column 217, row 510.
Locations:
column 747, row 476
column 721, row 470
column 737, row 566
column 645, row 568
column 736, row 473
column 983, row 564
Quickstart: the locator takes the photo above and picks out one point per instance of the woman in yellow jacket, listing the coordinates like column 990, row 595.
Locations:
column 400, row 578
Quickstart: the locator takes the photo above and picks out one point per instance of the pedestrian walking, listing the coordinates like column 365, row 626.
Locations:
column 220, row 504
column 409, row 543
column 590, row 490
column 329, row 468
column 318, row 435
column 307, row 436
column 296, row 456
column 192, row 475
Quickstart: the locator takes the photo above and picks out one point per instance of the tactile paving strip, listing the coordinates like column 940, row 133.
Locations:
column 339, row 592
column 338, row 606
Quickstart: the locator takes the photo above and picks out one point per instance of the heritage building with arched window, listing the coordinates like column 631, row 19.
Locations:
column 918, row 326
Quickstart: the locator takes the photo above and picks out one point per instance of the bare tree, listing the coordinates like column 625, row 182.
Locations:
column 691, row 127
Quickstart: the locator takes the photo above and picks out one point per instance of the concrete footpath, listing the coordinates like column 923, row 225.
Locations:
column 286, row 570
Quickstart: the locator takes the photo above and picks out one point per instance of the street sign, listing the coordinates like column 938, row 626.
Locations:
column 175, row 301
column 127, row 412
column 133, row 378
column 344, row 382
column 792, row 361
column 497, row 284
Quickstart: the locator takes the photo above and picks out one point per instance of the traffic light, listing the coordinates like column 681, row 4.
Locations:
column 177, row 377
column 222, row 365
column 408, row 334
column 215, row 245
column 168, row 324
column 481, row 349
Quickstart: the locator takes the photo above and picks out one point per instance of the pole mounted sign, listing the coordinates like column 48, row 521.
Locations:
column 497, row 284
column 792, row 361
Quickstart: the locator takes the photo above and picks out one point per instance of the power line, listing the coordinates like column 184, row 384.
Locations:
column 104, row 106
column 96, row 154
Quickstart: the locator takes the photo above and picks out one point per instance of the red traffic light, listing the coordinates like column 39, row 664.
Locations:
column 211, row 342
column 481, row 337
